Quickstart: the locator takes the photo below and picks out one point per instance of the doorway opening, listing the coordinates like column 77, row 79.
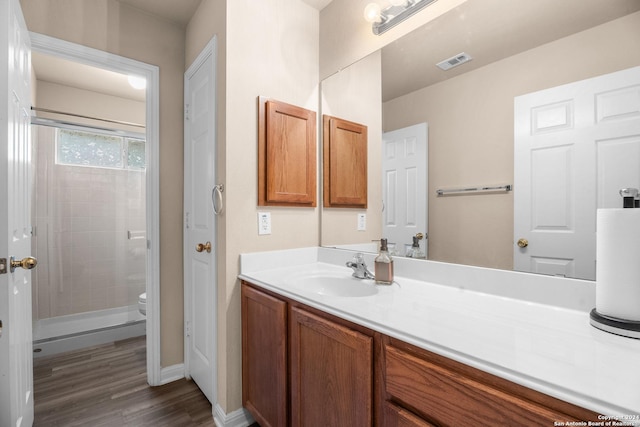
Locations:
column 96, row 200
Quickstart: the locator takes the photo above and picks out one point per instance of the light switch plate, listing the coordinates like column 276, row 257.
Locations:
column 362, row 222
column 264, row 223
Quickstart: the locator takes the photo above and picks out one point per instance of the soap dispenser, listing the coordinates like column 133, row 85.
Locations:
column 416, row 252
column 629, row 197
column 384, row 265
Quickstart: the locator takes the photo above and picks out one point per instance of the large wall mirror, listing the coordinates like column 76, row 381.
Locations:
column 517, row 48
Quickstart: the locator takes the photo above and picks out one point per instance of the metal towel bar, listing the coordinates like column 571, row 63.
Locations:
column 485, row 189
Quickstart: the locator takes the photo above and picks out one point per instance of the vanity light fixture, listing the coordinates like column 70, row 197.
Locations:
column 399, row 10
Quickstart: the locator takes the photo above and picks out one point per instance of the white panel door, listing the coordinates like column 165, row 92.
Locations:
column 16, row 353
column 200, row 223
column 404, row 185
column 576, row 146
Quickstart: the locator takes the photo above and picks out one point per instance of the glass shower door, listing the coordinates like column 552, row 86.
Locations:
column 90, row 222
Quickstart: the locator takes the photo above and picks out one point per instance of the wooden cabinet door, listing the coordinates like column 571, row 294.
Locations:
column 264, row 357
column 345, row 154
column 286, row 155
column 331, row 373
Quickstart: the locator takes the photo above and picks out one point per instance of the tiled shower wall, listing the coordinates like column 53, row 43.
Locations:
column 89, row 235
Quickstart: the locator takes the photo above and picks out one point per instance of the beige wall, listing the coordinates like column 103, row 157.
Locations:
column 471, row 134
column 107, row 25
column 58, row 97
column 354, row 94
column 270, row 48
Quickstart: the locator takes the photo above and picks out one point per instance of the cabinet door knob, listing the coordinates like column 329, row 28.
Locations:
column 523, row 243
column 203, row 247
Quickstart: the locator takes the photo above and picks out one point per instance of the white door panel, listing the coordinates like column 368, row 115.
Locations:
column 576, row 145
column 404, row 185
column 200, row 224
column 200, row 329
column 16, row 354
column 618, row 165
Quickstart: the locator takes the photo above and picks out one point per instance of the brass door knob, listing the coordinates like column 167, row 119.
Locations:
column 523, row 243
column 203, row 247
column 27, row 263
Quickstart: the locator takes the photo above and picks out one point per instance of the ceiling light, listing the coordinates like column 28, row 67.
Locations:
column 137, row 82
column 383, row 20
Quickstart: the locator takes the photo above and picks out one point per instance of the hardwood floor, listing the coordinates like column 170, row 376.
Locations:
column 107, row 386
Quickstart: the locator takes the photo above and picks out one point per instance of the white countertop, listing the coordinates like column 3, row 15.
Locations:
column 530, row 329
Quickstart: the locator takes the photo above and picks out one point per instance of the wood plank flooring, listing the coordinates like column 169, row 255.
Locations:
column 107, row 386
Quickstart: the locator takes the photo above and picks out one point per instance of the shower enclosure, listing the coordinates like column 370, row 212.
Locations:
column 89, row 237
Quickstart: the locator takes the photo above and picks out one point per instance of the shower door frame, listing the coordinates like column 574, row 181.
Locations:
column 97, row 58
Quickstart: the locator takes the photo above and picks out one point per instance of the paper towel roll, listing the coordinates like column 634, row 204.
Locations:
column 618, row 263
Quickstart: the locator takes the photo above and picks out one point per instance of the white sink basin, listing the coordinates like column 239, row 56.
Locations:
column 334, row 285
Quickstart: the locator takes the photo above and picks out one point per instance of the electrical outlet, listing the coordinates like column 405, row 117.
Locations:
column 362, row 222
column 264, row 223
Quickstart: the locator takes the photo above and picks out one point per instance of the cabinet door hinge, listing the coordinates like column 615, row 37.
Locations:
column 187, row 328
column 186, row 111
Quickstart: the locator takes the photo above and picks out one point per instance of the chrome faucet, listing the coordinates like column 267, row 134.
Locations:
column 360, row 270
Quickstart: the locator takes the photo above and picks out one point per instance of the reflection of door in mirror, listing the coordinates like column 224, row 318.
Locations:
column 404, row 185
column 560, row 135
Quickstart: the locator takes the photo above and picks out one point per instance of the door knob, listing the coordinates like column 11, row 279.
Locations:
column 203, row 247
column 523, row 243
column 27, row 263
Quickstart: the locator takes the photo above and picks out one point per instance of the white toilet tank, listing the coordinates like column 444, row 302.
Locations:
column 142, row 303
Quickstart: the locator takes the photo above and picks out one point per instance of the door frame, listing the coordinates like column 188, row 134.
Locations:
column 97, row 58
column 209, row 52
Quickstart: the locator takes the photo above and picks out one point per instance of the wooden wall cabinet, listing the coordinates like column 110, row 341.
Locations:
column 344, row 148
column 286, row 155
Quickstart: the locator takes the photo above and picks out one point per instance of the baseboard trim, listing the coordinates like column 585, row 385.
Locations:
column 239, row 418
column 171, row 373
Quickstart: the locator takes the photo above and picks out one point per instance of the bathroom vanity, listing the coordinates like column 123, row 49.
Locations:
column 444, row 345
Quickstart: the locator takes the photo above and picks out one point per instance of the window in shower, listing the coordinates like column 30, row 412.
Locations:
column 74, row 147
column 90, row 220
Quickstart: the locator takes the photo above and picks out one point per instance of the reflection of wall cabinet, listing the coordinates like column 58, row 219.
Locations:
column 344, row 148
column 332, row 364
column 286, row 155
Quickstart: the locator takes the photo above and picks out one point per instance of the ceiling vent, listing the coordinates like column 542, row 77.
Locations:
column 454, row 61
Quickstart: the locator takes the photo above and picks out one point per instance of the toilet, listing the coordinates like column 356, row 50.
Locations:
column 142, row 303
